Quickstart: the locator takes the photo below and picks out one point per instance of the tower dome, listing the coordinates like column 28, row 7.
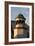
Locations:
column 21, row 16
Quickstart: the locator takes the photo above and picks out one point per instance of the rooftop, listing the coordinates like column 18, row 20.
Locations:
column 21, row 16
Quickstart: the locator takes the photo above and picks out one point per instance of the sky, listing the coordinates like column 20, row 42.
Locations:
column 17, row 10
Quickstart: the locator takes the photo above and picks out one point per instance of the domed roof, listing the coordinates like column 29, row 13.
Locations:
column 20, row 16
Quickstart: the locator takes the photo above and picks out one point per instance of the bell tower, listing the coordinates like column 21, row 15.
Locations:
column 20, row 20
